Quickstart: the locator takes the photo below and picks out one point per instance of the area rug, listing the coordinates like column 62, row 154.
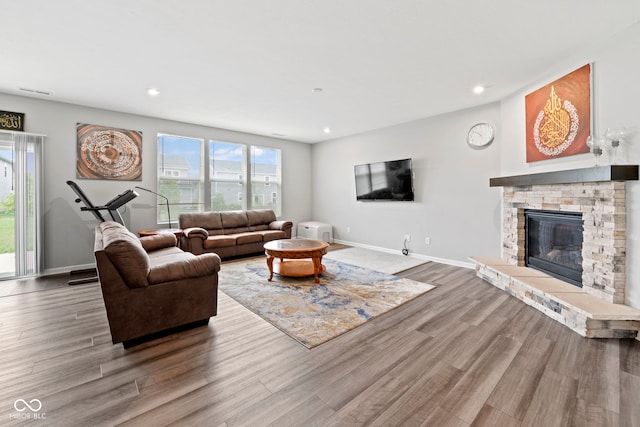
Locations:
column 375, row 260
column 346, row 297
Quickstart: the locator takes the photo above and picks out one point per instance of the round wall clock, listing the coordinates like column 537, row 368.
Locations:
column 481, row 134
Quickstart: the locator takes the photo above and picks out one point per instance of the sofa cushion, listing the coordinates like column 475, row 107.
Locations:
column 245, row 238
column 126, row 254
column 215, row 232
column 260, row 218
column 229, row 231
column 158, row 241
column 270, row 235
column 232, row 220
column 164, row 252
column 169, row 257
column 219, row 242
column 207, row 220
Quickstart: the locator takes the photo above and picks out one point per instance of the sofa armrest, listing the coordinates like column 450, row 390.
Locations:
column 193, row 239
column 158, row 241
column 198, row 266
column 285, row 226
column 195, row 232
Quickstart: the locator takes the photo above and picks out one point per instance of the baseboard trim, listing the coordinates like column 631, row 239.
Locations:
column 67, row 270
column 469, row 265
column 447, row 261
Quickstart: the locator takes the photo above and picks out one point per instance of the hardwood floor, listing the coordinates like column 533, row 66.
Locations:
column 464, row 354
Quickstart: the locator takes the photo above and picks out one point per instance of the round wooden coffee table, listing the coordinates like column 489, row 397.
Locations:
column 296, row 253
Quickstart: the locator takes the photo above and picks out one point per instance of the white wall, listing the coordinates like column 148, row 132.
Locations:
column 616, row 100
column 68, row 233
column 454, row 204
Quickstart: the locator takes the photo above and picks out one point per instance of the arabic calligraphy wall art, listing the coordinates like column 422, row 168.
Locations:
column 11, row 121
column 109, row 153
column 558, row 117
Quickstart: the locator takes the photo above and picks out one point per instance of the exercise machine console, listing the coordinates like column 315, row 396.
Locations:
column 111, row 206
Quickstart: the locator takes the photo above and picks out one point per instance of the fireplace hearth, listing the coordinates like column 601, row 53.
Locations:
column 553, row 243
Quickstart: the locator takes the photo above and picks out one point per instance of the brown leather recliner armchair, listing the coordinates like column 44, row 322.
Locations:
column 150, row 286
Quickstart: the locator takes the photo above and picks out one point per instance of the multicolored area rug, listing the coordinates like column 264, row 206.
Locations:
column 346, row 297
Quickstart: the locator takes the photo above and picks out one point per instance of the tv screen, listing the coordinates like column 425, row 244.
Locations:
column 392, row 180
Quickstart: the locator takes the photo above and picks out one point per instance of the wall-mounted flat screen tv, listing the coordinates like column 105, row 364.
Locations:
column 385, row 181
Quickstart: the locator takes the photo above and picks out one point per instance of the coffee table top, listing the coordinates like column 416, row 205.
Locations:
column 293, row 245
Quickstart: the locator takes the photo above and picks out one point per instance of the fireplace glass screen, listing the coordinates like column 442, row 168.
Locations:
column 554, row 244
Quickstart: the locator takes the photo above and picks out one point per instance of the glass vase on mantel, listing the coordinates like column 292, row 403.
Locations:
column 596, row 147
column 615, row 140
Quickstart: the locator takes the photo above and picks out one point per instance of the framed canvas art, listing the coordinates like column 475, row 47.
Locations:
column 108, row 153
column 558, row 117
column 12, row 121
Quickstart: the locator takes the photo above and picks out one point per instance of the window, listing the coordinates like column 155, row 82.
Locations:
column 227, row 166
column 265, row 175
column 223, row 184
column 180, row 175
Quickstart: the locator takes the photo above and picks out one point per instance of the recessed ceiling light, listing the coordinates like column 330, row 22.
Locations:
column 478, row 89
column 153, row 91
column 327, row 130
column 317, row 90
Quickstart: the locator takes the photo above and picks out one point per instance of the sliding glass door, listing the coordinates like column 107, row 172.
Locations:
column 20, row 204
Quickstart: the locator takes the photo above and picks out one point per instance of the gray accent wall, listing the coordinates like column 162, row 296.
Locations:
column 453, row 206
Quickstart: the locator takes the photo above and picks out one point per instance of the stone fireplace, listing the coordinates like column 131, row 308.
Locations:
column 591, row 302
column 602, row 205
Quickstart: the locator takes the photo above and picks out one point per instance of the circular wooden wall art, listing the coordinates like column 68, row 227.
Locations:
column 109, row 153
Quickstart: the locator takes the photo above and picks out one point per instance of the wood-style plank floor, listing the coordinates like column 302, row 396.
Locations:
column 464, row 354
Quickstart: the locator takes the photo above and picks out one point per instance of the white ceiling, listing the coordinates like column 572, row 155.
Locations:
column 251, row 65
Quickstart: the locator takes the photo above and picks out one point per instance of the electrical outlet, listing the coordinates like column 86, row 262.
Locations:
column 407, row 238
column 348, row 229
column 427, row 240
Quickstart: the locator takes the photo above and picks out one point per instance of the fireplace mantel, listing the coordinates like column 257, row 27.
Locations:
column 593, row 174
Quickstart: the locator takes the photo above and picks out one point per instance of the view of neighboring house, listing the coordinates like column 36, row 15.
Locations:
column 227, row 178
column 227, row 184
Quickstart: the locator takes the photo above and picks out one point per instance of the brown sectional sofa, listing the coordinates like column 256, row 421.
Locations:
column 231, row 233
column 150, row 286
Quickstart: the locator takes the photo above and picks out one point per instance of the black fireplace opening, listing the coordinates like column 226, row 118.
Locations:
column 553, row 243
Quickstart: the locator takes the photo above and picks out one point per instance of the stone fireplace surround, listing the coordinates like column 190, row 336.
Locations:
column 602, row 205
column 597, row 309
